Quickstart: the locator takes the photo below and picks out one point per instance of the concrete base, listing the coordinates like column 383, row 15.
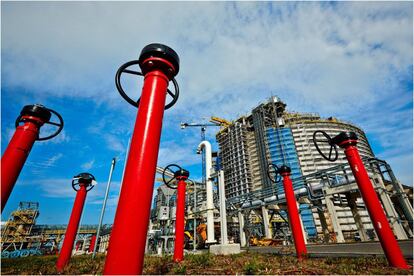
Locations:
column 225, row 249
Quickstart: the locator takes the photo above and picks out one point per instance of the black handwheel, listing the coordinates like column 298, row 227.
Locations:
column 326, row 139
column 170, row 184
column 87, row 179
column 59, row 124
column 273, row 173
column 123, row 69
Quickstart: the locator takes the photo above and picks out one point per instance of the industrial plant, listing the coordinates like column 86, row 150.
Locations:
column 330, row 205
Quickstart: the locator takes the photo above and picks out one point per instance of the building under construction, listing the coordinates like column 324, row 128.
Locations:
column 330, row 205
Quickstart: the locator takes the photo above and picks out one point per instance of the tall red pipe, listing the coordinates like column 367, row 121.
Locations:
column 179, row 221
column 72, row 229
column 15, row 156
column 128, row 238
column 293, row 213
column 348, row 141
column 92, row 243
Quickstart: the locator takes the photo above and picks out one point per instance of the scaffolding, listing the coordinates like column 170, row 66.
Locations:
column 17, row 232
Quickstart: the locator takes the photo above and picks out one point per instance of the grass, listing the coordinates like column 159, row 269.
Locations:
column 206, row 264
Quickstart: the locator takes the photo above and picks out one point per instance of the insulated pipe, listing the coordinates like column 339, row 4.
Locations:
column 242, row 234
column 348, row 141
column 85, row 182
column 223, row 213
column 18, row 149
column 209, row 190
column 293, row 213
column 126, row 250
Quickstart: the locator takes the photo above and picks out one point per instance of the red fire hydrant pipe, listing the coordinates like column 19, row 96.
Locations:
column 386, row 237
column 15, row 156
column 33, row 117
column 72, row 229
column 179, row 222
column 92, row 243
column 128, row 238
column 293, row 213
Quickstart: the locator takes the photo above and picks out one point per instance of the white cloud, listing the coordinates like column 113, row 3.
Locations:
column 342, row 59
column 88, row 165
column 402, row 166
column 40, row 166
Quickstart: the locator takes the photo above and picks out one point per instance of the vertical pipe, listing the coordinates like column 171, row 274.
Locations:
column 72, row 228
column 98, row 231
column 123, row 170
column 293, row 213
column 209, row 191
column 266, row 223
column 379, row 220
column 179, row 222
column 138, row 184
column 223, row 213
column 195, row 219
column 93, row 243
column 242, row 235
column 15, row 156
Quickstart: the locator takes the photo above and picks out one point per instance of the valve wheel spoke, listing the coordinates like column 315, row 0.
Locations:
column 168, row 168
column 132, row 72
column 328, row 140
column 59, row 125
column 273, row 173
column 123, row 69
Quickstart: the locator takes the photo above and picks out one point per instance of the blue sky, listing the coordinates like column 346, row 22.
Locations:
column 352, row 60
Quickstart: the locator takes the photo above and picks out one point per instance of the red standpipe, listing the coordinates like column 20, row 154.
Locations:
column 15, row 156
column 348, row 141
column 179, row 220
column 92, row 243
column 293, row 213
column 128, row 238
column 65, row 253
column 19, row 147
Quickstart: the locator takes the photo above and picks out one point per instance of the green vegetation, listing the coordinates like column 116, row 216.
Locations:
column 206, row 264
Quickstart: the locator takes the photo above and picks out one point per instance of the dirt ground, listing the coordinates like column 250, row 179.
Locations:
column 206, row 264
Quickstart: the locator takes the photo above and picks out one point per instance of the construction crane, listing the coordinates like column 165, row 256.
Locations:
column 220, row 121
column 214, row 121
column 203, row 127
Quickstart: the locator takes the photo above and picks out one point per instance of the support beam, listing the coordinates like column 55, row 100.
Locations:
column 390, row 211
column 265, row 216
column 324, row 224
column 335, row 221
column 243, row 241
column 351, row 198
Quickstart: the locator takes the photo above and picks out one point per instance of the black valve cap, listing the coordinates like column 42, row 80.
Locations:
column 36, row 110
column 284, row 169
column 85, row 178
column 181, row 173
column 161, row 51
column 344, row 136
